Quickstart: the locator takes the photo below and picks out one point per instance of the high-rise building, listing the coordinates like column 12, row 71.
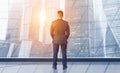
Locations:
column 88, row 24
column 76, row 13
column 14, row 20
column 112, row 12
column 3, row 19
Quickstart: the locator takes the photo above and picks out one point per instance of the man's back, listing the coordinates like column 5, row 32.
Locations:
column 60, row 31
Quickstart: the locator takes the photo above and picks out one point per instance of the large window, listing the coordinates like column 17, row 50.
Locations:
column 25, row 27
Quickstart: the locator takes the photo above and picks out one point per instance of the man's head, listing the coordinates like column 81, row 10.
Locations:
column 60, row 14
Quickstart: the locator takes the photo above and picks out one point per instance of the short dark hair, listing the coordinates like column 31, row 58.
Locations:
column 60, row 13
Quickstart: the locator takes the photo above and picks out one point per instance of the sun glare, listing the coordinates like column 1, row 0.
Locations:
column 42, row 17
column 42, row 24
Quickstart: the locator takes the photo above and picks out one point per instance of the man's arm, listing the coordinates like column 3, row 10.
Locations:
column 52, row 30
column 67, row 31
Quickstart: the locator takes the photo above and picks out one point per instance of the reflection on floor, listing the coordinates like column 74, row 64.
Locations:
column 73, row 67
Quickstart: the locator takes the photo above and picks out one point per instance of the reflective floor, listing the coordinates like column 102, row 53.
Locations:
column 46, row 67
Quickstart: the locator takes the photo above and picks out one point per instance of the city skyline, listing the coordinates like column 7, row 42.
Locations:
column 94, row 27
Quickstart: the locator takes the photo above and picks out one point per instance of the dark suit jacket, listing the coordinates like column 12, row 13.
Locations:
column 60, row 31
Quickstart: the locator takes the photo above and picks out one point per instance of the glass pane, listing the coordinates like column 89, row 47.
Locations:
column 25, row 28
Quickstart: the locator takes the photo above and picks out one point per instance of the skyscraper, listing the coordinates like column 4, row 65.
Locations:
column 88, row 27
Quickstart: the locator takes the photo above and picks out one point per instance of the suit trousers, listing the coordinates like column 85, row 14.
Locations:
column 55, row 55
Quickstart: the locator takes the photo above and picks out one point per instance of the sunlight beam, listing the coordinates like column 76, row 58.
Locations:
column 42, row 21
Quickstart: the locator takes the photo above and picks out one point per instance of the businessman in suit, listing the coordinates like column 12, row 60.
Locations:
column 60, row 32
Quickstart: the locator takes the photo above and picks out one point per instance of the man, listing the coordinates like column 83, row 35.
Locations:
column 60, row 32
